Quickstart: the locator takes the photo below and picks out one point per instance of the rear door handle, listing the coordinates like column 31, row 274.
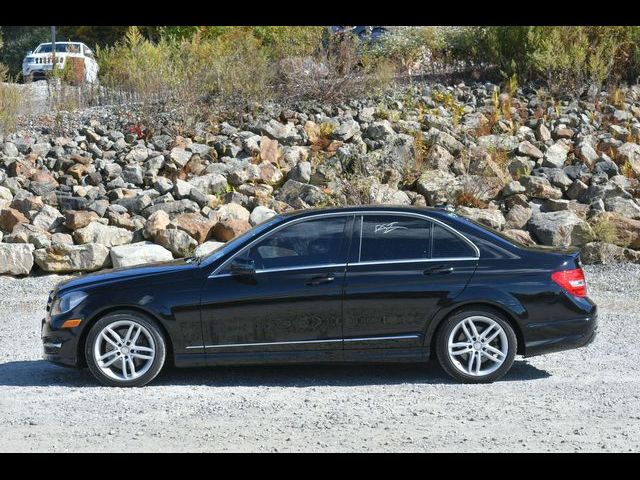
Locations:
column 328, row 278
column 438, row 270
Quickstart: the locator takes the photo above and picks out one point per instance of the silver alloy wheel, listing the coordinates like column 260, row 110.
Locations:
column 124, row 350
column 478, row 346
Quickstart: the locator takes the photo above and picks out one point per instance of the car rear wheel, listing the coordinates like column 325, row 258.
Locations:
column 125, row 349
column 476, row 346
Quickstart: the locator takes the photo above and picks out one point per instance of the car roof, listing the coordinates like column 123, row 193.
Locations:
column 435, row 211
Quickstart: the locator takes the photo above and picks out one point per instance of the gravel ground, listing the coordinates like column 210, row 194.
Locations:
column 581, row 400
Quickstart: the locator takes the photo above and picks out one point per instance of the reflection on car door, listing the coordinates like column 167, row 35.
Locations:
column 402, row 269
column 294, row 300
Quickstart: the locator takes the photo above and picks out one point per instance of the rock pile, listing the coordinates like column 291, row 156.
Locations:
column 557, row 174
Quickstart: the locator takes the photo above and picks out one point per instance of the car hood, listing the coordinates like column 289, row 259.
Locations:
column 148, row 273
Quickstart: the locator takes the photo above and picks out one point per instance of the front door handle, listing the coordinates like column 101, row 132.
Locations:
column 441, row 270
column 328, row 278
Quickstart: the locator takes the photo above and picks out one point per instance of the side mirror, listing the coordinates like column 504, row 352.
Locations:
column 243, row 266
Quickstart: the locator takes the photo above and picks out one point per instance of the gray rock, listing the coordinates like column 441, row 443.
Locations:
column 107, row 235
column 292, row 191
column 606, row 253
column 624, row 206
column 555, row 156
column 346, row 130
column 437, row 186
column 517, row 217
column 138, row 253
column 529, row 150
column 16, row 258
column 558, row 228
column 177, row 241
column 49, row 218
column 512, row 188
column 62, row 258
column 285, row 134
column 133, row 174
column 207, row 248
column 179, row 156
column 539, row 187
column 260, row 214
column 213, row 183
column 491, row 217
column 381, row 130
column 232, row 211
column 300, row 173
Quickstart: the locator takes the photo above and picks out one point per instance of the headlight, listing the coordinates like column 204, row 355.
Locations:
column 66, row 302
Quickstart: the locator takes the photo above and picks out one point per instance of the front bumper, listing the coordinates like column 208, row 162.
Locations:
column 60, row 345
column 560, row 335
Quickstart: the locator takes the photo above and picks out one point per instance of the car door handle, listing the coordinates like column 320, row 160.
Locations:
column 438, row 270
column 328, row 278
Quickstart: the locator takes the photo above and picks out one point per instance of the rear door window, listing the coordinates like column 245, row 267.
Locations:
column 394, row 237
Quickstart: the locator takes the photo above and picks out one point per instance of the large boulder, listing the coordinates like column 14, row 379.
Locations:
column 229, row 229
column 195, row 225
column 601, row 252
column 491, row 217
column 624, row 231
column 624, row 206
column 561, row 228
column 9, row 218
column 62, row 258
column 179, row 242
column 75, row 220
column 556, row 155
column 630, row 153
column 138, row 253
column 437, row 186
column 284, row 133
column 157, row 221
column 539, row 187
column 260, row 214
column 517, row 217
column 212, row 183
column 207, row 248
column 107, row 235
column 291, row 191
column 16, row 258
column 48, row 218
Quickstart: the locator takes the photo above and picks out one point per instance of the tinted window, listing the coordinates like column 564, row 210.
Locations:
column 306, row 243
column 447, row 244
column 386, row 237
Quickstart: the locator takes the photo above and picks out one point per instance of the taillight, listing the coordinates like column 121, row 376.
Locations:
column 572, row 281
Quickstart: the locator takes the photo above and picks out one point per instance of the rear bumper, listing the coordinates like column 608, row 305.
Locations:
column 59, row 346
column 560, row 335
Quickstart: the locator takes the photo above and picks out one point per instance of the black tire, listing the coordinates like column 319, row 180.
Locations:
column 448, row 364
column 155, row 333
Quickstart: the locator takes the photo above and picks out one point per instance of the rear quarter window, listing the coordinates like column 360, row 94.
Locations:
column 447, row 244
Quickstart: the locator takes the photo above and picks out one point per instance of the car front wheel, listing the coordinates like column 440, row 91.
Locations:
column 125, row 349
column 476, row 346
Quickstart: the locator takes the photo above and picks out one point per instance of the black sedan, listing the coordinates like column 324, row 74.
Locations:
column 359, row 284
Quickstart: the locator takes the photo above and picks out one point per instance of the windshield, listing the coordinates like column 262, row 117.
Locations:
column 241, row 239
column 60, row 47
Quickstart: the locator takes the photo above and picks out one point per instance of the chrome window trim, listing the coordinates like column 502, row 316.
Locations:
column 291, row 269
column 415, row 260
column 422, row 216
column 346, row 214
column 276, row 229
column 302, row 342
